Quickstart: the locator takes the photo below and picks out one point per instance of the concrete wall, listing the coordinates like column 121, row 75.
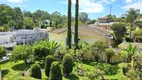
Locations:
column 59, row 37
column 89, row 39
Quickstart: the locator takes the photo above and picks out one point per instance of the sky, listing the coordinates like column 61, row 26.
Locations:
column 94, row 8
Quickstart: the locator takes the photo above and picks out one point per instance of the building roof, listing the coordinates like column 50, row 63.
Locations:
column 104, row 24
column 89, row 30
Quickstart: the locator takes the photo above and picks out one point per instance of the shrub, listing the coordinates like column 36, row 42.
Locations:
column 40, row 51
column 35, row 71
column 110, row 69
column 55, row 73
column 125, row 70
column 2, row 52
column 48, row 62
column 67, row 65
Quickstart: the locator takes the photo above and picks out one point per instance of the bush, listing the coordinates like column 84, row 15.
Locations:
column 48, row 62
column 110, row 69
column 67, row 65
column 125, row 70
column 2, row 52
column 55, row 71
column 35, row 71
column 40, row 51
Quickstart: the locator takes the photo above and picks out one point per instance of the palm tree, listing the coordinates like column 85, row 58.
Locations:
column 128, row 53
column 69, row 36
column 131, row 16
column 76, row 24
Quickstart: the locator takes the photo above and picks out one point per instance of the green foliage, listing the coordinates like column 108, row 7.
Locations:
column 51, row 46
column 128, row 52
column 18, row 18
column 138, row 62
column 83, row 17
column 67, row 65
column 2, row 52
column 28, row 23
column 35, row 71
column 98, row 48
column 95, row 74
column 22, row 52
column 55, row 72
column 132, row 75
column 110, row 69
column 131, row 16
column 109, row 53
column 91, row 21
column 6, row 14
column 40, row 51
column 138, row 33
column 48, row 62
column 119, row 30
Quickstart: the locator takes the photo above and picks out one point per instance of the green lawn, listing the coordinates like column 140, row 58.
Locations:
column 12, row 71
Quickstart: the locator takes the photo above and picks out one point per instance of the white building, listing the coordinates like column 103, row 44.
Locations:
column 23, row 36
column 7, row 41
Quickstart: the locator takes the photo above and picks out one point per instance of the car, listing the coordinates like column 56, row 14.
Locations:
column 5, row 58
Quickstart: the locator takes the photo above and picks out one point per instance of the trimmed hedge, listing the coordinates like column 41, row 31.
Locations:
column 35, row 71
column 48, row 62
column 67, row 65
column 55, row 72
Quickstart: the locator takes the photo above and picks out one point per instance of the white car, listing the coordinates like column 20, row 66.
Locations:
column 5, row 57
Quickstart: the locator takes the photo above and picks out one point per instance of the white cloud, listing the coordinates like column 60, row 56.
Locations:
column 16, row 1
column 90, row 6
column 137, row 5
column 128, row 1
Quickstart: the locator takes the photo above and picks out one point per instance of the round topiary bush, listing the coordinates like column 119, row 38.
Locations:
column 35, row 71
column 55, row 72
column 48, row 61
column 67, row 65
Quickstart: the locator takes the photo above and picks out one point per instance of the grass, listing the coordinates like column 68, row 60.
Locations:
column 12, row 71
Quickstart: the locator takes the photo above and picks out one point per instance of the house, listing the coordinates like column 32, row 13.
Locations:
column 7, row 41
column 89, row 34
column 23, row 36
column 104, row 23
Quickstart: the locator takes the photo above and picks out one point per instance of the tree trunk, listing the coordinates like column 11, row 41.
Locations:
column 130, row 30
column 132, row 64
column 69, row 25
column 76, row 24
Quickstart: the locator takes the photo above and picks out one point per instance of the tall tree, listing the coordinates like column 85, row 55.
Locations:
column 83, row 17
column 119, row 30
column 69, row 36
column 18, row 18
column 131, row 16
column 76, row 24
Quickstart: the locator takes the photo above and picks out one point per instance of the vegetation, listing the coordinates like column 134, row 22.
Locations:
column 69, row 35
column 22, row 52
column 55, row 73
column 109, row 53
column 67, row 65
column 83, row 17
column 35, row 71
column 2, row 52
column 119, row 30
column 48, row 62
column 131, row 16
column 76, row 24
